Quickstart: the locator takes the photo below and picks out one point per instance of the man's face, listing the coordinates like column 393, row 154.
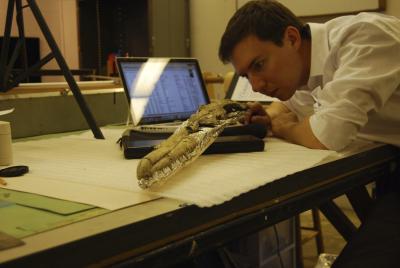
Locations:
column 271, row 70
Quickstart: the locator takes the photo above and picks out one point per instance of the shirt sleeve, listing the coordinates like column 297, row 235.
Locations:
column 367, row 63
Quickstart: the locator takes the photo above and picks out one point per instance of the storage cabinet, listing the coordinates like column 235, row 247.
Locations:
column 135, row 28
column 261, row 249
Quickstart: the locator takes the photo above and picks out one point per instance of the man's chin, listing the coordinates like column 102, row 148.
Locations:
column 283, row 97
column 278, row 94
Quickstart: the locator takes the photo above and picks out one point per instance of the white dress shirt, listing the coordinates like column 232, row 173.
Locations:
column 354, row 84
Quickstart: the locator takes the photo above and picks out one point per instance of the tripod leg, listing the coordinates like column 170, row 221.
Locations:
column 21, row 31
column 6, row 45
column 64, row 67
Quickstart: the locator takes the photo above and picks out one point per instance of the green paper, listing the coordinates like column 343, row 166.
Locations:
column 20, row 221
column 23, row 214
column 55, row 205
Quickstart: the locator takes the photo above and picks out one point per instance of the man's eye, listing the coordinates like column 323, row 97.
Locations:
column 259, row 65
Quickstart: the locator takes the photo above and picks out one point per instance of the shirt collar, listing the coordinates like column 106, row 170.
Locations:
column 319, row 48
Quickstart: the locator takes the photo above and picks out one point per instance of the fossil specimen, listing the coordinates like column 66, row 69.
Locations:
column 188, row 142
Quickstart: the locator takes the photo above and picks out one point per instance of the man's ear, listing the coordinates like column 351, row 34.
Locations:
column 293, row 37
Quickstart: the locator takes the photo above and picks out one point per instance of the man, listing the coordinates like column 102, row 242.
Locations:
column 338, row 81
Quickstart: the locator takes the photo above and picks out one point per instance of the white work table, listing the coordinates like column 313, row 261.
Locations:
column 164, row 230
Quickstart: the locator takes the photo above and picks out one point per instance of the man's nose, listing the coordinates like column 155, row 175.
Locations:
column 257, row 83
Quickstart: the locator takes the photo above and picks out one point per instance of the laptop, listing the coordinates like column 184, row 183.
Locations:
column 240, row 90
column 167, row 91
column 162, row 92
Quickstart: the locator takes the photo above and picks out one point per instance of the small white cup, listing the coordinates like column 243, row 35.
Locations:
column 6, row 156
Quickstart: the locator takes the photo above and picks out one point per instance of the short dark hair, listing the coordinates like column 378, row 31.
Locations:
column 266, row 19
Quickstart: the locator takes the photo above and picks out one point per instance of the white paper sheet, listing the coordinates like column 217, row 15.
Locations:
column 79, row 168
column 83, row 169
column 214, row 179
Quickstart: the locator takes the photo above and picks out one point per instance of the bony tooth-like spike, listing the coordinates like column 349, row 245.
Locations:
column 188, row 142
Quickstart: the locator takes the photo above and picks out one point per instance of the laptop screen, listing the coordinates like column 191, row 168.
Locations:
column 162, row 89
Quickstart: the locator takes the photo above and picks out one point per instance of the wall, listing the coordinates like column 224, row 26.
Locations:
column 393, row 8
column 61, row 17
column 208, row 21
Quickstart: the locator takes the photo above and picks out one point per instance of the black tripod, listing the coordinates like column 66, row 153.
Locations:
column 10, row 79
